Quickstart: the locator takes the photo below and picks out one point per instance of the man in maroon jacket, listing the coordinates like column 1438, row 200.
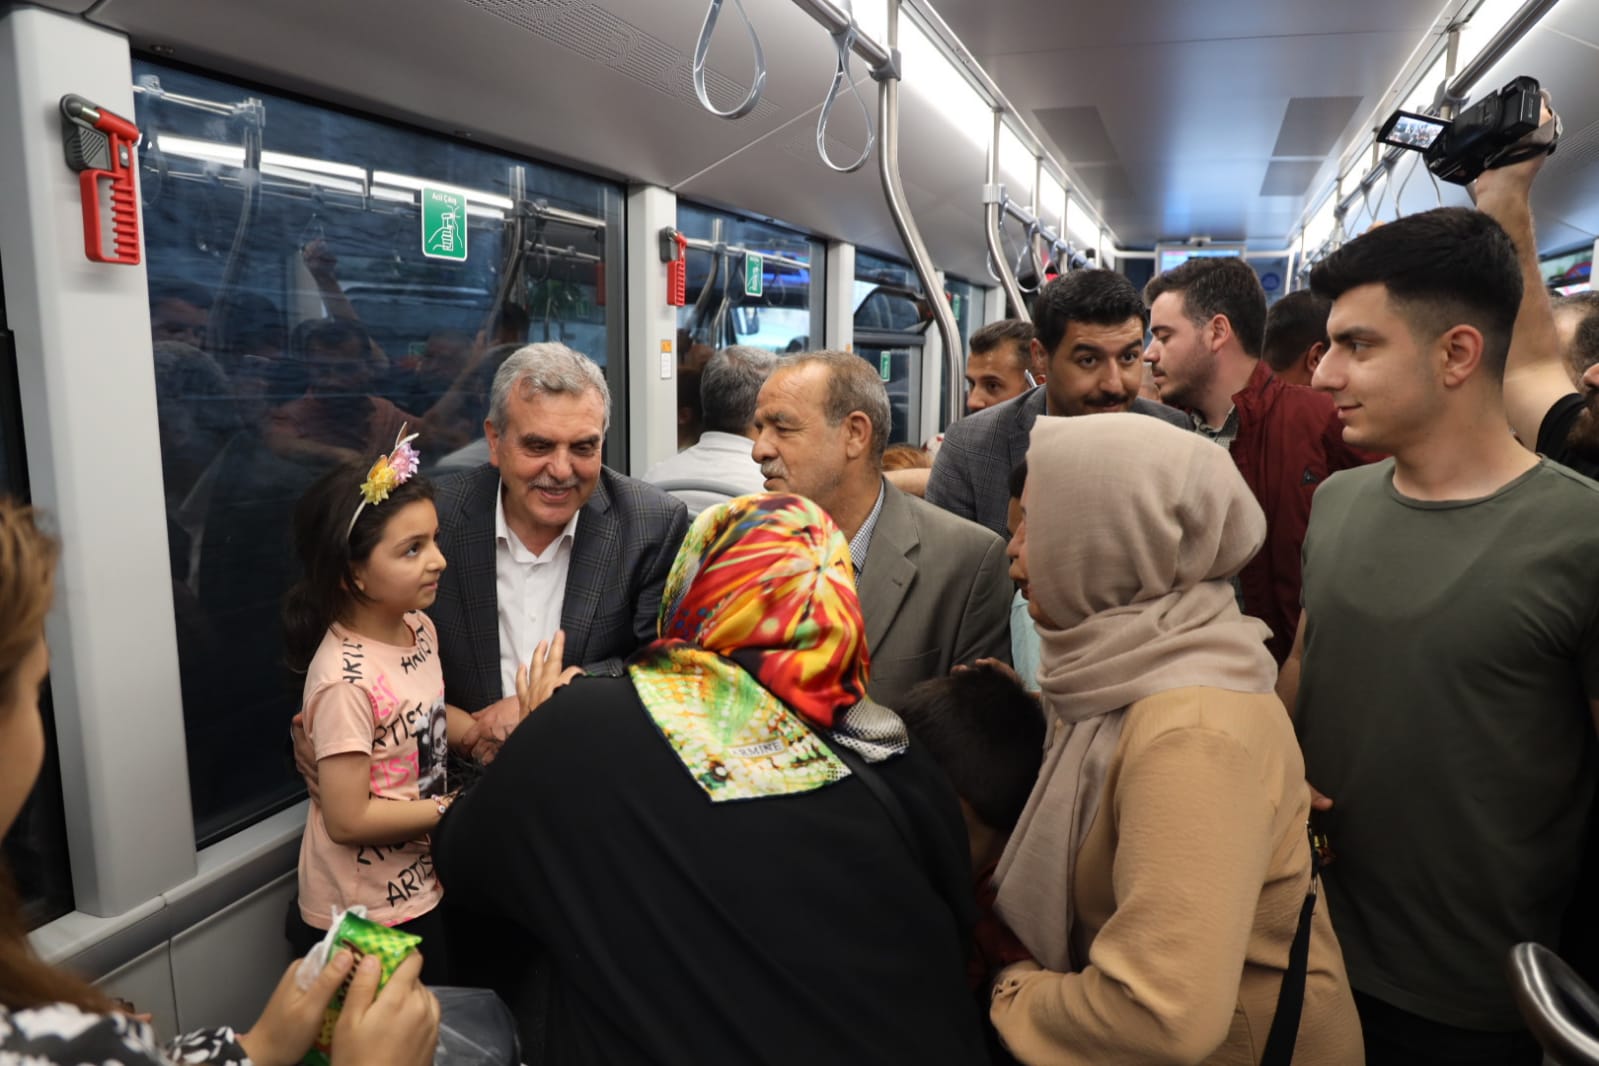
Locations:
column 1207, row 323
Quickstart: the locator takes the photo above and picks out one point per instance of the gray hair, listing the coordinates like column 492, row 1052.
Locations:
column 853, row 384
column 729, row 384
column 549, row 368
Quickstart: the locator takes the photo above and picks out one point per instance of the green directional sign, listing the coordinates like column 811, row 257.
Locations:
column 754, row 274
column 443, row 224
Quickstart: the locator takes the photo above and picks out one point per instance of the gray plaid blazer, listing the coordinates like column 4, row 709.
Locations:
column 971, row 474
column 627, row 537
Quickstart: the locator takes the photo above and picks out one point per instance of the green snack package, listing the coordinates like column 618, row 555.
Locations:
column 362, row 937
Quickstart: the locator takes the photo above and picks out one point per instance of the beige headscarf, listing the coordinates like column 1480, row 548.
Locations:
column 1133, row 529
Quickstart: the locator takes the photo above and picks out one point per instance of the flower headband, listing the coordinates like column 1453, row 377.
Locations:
column 387, row 474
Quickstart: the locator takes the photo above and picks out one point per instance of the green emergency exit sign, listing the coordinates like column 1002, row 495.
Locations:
column 443, row 224
column 754, row 274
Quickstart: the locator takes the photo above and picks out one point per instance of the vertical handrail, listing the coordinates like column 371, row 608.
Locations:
column 1040, row 261
column 993, row 206
column 894, row 191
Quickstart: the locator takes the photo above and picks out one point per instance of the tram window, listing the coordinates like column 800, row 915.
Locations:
column 722, row 307
column 728, row 301
column 891, row 318
column 316, row 280
column 963, row 301
column 36, row 846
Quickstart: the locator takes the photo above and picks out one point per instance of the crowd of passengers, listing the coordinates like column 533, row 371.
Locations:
column 1006, row 758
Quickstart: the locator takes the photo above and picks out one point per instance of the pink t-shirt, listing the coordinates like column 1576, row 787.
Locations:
column 386, row 702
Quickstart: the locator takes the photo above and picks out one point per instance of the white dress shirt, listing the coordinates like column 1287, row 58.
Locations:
column 720, row 459
column 529, row 591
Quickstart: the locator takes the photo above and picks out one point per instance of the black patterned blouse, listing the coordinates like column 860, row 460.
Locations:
column 62, row 1035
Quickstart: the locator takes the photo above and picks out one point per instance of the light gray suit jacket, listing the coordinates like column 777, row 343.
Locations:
column 935, row 592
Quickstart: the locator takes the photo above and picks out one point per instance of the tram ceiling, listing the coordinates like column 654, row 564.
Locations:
column 1562, row 51
column 1180, row 118
column 1173, row 118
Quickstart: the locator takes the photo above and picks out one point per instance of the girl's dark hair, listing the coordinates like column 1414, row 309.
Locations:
column 329, row 550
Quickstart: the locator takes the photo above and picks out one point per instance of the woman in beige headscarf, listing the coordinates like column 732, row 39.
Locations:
column 1158, row 872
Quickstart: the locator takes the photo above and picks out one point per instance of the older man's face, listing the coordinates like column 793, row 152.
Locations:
column 798, row 450
column 549, row 460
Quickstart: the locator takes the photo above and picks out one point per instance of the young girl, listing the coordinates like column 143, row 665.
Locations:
column 49, row 1017
column 374, row 700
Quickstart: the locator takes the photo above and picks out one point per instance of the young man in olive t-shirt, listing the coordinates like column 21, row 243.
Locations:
column 1448, row 655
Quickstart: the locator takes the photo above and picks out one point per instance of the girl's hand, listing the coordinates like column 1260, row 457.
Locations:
column 293, row 1017
column 398, row 1026
column 539, row 679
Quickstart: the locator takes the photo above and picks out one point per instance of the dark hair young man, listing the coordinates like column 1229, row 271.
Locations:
column 1447, row 658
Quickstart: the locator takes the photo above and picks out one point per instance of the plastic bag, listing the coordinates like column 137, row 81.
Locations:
column 475, row 1029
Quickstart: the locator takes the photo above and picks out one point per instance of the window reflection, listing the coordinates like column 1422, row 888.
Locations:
column 778, row 309
column 891, row 318
column 299, row 320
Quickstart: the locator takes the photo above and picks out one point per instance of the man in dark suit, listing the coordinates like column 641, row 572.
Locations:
column 546, row 538
column 933, row 587
column 1089, row 327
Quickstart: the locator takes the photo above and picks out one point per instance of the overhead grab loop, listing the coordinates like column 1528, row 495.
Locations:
column 702, row 50
column 1025, row 255
column 844, row 42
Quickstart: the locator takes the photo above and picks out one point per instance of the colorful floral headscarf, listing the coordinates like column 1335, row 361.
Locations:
column 761, row 639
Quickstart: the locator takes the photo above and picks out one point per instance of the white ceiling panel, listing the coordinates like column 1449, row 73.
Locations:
column 1562, row 53
column 1022, row 26
column 606, row 87
column 1171, row 112
column 1185, row 102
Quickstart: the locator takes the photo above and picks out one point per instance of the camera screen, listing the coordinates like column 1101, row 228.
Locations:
column 1412, row 131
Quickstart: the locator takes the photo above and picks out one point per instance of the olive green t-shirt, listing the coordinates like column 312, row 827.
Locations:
column 1450, row 652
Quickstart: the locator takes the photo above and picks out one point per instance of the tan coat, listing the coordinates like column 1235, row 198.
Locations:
column 1188, row 889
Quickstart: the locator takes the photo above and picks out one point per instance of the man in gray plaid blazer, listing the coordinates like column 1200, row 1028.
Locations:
column 575, row 544
column 1090, row 335
column 627, row 536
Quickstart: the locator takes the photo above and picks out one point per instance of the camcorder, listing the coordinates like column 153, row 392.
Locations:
column 1483, row 136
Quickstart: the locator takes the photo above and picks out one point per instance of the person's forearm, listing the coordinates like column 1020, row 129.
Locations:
column 1535, row 340
column 381, row 821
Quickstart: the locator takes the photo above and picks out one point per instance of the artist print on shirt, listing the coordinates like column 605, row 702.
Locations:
column 386, row 702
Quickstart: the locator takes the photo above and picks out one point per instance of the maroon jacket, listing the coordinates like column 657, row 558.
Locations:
column 1289, row 440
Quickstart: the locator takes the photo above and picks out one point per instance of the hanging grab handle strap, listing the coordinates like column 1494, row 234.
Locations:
column 702, row 49
column 844, row 42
